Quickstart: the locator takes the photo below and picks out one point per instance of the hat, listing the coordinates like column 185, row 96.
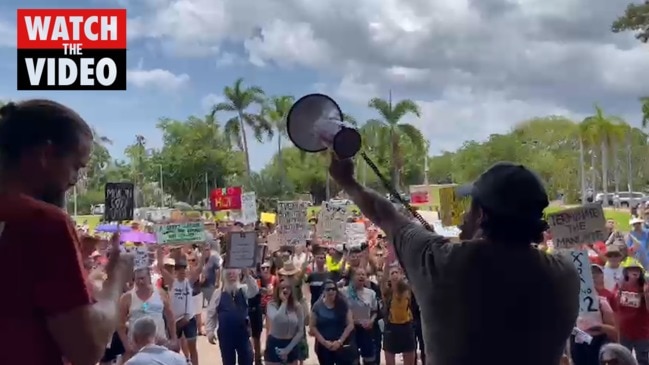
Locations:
column 633, row 265
column 635, row 220
column 289, row 269
column 508, row 189
column 613, row 249
column 266, row 264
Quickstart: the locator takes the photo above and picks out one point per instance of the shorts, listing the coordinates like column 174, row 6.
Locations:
column 115, row 349
column 365, row 342
column 198, row 303
column 189, row 330
column 272, row 344
column 207, row 295
column 399, row 338
column 256, row 318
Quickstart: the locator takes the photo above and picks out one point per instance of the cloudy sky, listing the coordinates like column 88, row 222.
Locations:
column 476, row 67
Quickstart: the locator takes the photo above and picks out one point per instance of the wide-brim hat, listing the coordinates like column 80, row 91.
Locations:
column 288, row 269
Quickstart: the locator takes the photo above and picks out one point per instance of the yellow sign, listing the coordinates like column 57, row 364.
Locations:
column 450, row 208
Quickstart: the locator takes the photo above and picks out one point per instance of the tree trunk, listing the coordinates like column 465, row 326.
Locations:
column 604, row 172
column 245, row 143
column 616, row 167
column 629, row 162
column 280, row 161
column 396, row 178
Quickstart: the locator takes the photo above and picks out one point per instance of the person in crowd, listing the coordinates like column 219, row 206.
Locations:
column 335, row 261
column 256, row 321
column 295, row 276
column 466, row 323
column 633, row 312
column 145, row 301
column 616, row 354
column 182, row 305
column 116, row 348
column 603, row 329
column 227, row 317
column 43, row 145
column 211, row 272
column 613, row 234
column 419, row 334
column 332, row 325
column 284, row 325
column 266, row 283
column 638, row 233
column 598, row 282
column 197, row 293
column 145, row 332
column 317, row 275
column 399, row 332
column 614, row 268
column 300, row 256
column 363, row 304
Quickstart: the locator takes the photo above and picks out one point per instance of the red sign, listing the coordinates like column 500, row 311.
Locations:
column 419, row 197
column 226, row 198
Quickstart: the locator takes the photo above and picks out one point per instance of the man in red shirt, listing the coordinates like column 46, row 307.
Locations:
column 48, row 314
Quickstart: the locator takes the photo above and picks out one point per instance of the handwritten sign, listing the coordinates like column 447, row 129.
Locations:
column 241, row 250
column 293, row 226
column 589, row 314
column 226, row 198
column 119, row 202
column 355, row 233
column 141, row 255
column 574, row 227
column 180, row 233
column 248, row 212
column 331, row 222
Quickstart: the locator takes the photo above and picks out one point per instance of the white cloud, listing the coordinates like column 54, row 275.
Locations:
column 209, row 100
column 157, row 79
column 476, row 67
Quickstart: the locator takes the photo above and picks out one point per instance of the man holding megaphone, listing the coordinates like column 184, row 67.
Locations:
column 492, row 298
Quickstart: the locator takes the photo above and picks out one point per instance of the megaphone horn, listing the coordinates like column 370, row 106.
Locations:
column 315, row 123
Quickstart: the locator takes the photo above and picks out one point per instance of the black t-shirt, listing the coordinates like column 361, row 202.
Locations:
column 316, row 282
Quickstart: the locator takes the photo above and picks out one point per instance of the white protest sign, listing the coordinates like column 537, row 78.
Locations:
column 331, row 222
column 574, row 227
column 292, row 223
column 248, row 212
column 589, row 314
column 141, row 255
column 242, row 250
column 355, row 233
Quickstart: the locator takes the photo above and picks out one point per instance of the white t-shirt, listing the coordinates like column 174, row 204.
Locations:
column 158, row 355
column 612, row 277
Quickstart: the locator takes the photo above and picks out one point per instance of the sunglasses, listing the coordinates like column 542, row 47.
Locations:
column 265, row 268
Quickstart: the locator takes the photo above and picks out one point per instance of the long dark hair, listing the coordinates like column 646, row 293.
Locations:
column 340, row 303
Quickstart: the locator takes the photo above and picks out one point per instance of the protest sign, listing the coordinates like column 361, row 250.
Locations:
column 293, row 226
column 119, row 202
column 241, row 250
column 272, row 241
column 574, row 227
column 248, row 212
column 141, row 255
column 331, row 222
column 589, row 314
column 355, row 234
column 226, row 198
column 180, row 233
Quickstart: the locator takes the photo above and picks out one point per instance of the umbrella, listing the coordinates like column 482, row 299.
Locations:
column 137, row 236
column 112, row 228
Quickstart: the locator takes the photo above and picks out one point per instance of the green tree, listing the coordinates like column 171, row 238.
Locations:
column 239, row 100
column 391, row 116
column 635, row 19
column 275, row 112
column 645, row 111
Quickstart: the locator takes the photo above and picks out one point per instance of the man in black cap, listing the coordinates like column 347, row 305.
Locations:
column 492, row 298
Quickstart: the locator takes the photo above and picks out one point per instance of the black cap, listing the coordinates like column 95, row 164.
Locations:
column 508, row 189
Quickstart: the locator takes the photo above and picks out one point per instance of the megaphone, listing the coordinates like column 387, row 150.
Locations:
column 315, row 123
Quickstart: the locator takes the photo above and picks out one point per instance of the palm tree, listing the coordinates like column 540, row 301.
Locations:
column 239, row 99
column 645, row 111
column 275, row 112
column 391, row 115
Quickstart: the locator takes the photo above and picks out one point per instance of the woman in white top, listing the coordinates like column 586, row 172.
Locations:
column 182, row 303
column 144, row 300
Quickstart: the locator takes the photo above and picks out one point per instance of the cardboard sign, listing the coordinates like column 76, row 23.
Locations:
column 272, row 241
column 293, row 226
column 248, row 213
column 331, row 222
column 574, row 227
column 180, row 233
column 589, row 314
column 119, row 202
column 355, row 233
column 241, row 250
column 226, row 198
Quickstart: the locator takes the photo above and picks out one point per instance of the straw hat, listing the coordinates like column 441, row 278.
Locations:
column 289, row 269
column 635, row 220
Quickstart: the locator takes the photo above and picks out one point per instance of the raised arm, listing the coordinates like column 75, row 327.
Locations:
column 251, row 288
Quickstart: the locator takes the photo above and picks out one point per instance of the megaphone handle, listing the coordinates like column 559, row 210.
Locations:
column 395, row 193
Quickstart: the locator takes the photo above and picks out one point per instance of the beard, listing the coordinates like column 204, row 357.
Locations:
column 230, row 287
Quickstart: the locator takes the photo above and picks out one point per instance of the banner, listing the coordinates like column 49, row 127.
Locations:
column 226, row 198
